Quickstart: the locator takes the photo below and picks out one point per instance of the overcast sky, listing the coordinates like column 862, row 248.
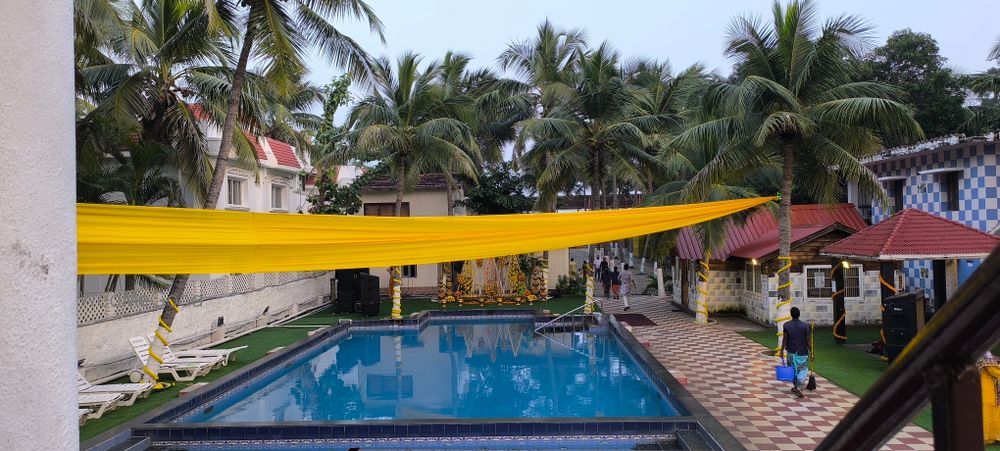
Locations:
column 682, row 31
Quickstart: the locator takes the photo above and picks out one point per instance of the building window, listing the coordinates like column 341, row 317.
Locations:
column 949, row 189
column 852, row 282
column 386, row 209
column 410, row 271
column 235, row 191
column 277, row 197
column 818, row 283
column 751, row 277
column 897, row 195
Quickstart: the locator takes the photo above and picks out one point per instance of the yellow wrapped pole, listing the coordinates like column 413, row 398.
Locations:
column 588, row 306
column 701, row 307
column 395, row 284
column 783, row 309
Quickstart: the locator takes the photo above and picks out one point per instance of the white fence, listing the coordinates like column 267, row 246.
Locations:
column 106, row 306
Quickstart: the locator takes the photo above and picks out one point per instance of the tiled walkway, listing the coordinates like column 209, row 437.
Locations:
column 728, row 376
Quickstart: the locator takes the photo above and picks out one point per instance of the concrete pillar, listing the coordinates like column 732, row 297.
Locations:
column 38, row 231
column 660, row 290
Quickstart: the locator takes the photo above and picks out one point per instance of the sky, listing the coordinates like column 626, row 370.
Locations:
column 681, row 31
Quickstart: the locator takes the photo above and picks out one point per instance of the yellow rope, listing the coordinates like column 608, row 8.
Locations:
column 161, row 338
column 787, row 266
column 174, row 306
column 839, row 320
column 397, row 282
column 588, row 307
column 164, row 325
column 150, row 373
column 702, row 304
column 886, row 284
column 154, row 356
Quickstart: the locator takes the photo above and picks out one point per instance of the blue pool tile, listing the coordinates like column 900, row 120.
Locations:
column 477, row 429
column 489, row 429
column 464, row 430
column 501, row 428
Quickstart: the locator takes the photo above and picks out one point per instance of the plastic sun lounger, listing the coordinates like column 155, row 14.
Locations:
column 226, row 354
column 83, row 413
column 169, row 357
column 130, row 391
column 98, row 403
column 180, row 371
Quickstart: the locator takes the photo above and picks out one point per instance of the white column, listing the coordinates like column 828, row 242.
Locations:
column 38, row 230
column 660, row 290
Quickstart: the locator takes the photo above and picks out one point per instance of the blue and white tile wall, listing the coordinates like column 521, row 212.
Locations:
column 979, row 193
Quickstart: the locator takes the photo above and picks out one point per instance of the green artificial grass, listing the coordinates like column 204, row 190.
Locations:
column 258, row 343
column 848, row 367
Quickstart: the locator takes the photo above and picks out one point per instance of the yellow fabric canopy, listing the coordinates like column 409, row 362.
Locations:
column 114, row 239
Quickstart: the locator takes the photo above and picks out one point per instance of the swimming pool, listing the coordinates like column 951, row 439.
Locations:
column 485, row 379
column 452, row 368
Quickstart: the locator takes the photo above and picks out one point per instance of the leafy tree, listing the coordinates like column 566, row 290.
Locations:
column 913, row 62
column 796, row 100
column 500, row 191
column 331, row 199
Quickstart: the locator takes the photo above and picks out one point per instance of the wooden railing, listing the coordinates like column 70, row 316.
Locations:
column 939, row 365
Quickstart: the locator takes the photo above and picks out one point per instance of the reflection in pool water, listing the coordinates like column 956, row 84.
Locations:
column 451, row 370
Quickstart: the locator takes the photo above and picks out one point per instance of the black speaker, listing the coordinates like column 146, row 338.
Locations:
column 346, row 302
column 347, row 279
column 902, row 317
column 369, row 295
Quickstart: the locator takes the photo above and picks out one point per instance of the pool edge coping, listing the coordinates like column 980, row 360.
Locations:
column 710, row 429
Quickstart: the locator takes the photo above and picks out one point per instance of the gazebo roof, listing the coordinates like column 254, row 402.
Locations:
column 914, row 235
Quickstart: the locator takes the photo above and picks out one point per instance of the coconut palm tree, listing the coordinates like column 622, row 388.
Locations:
column 160, row 62
column 411, row 125
column 596, row 130
column 281, row 32
column 794, row 96
column 546, row 64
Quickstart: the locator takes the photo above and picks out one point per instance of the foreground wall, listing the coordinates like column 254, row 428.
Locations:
column 863, row 310
column 38, row 230
column 104, row 345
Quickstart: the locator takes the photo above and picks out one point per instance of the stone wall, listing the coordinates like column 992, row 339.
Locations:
column 105, row 347
column 724, row 290
column 860, row 311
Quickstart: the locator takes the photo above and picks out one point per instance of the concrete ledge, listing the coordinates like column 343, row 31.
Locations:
column 193, row 387
column 275, row 350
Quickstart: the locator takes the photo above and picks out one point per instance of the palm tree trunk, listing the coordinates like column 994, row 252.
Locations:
column 785, row 241
column 170, row 309
column 614, row 192
column 395, row 281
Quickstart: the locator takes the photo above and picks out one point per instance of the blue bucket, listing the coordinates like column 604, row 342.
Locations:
column 784, row 373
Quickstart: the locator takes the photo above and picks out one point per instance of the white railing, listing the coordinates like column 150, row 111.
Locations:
column 99, row 307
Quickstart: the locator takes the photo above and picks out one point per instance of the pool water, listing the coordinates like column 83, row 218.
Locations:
column 450, row 369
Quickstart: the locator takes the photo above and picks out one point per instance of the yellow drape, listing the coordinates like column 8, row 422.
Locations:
column 114, row 239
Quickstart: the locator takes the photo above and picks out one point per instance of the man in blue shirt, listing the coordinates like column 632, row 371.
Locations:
column 795, row 339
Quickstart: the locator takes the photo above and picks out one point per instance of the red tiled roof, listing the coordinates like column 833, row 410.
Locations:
column 768, row 242
column 283, row 152
column 261, row 155
column 756, row 231
column 198, row 111
column 914, row 234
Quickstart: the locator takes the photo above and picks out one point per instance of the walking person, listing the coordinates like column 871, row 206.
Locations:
column 616, row 283
column 628, row 283
column 795, row 339
column 605, row 278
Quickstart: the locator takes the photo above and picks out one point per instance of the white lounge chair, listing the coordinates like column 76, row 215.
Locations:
column 131, row 391
column 180, row 371
column 83, row 415
column 98, row 403
column 169, row 357
column 226, row 354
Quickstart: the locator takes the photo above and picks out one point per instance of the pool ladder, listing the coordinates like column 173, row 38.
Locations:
column 565, row 329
